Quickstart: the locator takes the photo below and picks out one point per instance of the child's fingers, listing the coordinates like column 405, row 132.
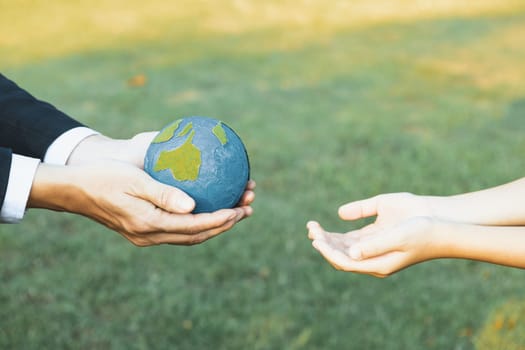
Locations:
column 315, row 231
column 364, row 231
column 380, row 266
column 337, row 240
column 359, row 209
column 334, row 256
column 375, row 245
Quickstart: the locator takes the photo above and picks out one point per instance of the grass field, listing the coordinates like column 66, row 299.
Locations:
column 336, row 101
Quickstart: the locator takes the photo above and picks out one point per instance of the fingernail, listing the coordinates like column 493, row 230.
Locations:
column 355, row 253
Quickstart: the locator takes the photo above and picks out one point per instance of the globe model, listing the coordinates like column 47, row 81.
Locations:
column 204, row 158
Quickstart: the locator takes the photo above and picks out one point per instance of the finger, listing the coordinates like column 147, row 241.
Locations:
column 190, row 224
column 247, row 198
column 199, row 237
column 182, row 239
column 364, row 231
column 334, row 256
column 359, row 209
column 315, row 231
column 249, row 195
column 377, row 245
column 242, row 212
column 207, row 221
column 246, row 211
column 250, row 186
column 382, row 266
column 379, row 267
column 340, row 241
column 165, row 197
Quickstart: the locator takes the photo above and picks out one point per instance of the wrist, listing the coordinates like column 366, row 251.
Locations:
column 456, row 239
column 442, row 208
column 435, row 242
column 442, row 238
column 52, row 188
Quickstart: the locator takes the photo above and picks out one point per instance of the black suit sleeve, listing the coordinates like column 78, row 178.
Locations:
column 5, row 165
column 28, row 126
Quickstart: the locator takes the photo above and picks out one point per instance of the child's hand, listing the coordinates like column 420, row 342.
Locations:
column 400, row 236
column 487, row 225
column 376, row 252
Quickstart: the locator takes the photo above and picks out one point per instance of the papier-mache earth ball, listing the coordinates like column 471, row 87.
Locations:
column 204, row 158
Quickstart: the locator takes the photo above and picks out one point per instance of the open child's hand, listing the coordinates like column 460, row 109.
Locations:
column 399, row 237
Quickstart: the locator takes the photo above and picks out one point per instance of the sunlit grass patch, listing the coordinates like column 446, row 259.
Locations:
column 492, row 62
column 36, row 30
column 504, row 329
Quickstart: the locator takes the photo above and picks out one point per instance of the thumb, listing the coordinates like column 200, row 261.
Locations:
column 359, row 209
column 167, row 197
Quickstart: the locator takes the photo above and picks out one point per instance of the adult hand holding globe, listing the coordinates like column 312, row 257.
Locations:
column 104, row 180
column 204, row 158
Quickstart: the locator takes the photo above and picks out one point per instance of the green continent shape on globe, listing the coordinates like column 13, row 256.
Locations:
column 219, row 132
column 186, row 130
column 168, row 132
column 184, row 162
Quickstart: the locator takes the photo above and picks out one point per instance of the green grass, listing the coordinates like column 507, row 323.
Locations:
column 333, row 105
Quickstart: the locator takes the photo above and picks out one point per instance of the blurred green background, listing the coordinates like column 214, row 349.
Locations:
column 336, row 101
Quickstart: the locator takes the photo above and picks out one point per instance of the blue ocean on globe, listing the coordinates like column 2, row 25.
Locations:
column 204, row 158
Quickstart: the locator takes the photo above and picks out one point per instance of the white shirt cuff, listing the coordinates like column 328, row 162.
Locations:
column 21, row 175
column 60, row 150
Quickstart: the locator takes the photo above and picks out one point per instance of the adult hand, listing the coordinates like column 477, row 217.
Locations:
column 99, row 147
column 127, row 200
